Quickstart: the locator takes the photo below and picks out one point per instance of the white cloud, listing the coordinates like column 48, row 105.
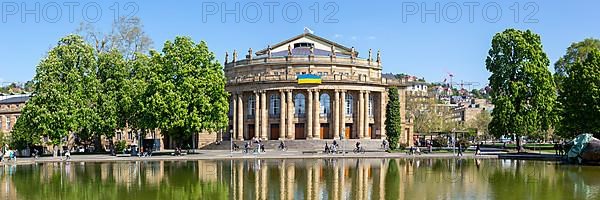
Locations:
column 354, row 38
column 371, row 37
column 338, row 36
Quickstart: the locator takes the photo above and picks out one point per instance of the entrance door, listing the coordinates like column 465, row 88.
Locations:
column 274, row 132
column 251, row 132
column 300, row 131
column 325, row 131
column 370, row 133
column 348, row 131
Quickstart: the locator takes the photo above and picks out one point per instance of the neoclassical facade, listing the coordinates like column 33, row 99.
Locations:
column 270, row 99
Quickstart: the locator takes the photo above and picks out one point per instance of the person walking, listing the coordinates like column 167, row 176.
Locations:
column 460, row 149
column 67, row 154
column 478, row 149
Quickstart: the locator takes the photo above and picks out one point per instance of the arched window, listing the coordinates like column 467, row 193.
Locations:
column 274, row 105
column 349, row 103
column 325, row 102
column 370, row 105
column 251, row 105
column 300, row 105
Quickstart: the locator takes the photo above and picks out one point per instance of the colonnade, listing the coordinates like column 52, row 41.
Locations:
column 359, row 117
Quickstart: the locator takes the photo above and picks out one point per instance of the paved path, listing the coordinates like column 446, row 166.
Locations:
column 290, row 154
column 220, row 154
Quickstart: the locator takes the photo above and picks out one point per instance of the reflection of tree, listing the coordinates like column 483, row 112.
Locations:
column 392, row 180
column 41, row 182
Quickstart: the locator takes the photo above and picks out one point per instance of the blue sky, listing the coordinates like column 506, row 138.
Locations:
column 410, row 42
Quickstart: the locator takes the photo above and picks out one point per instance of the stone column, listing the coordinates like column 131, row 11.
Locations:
column 342, row 114
column 240, row 117
column 257, row 184
column 336, row 183
column 309, row 115
column 264, row 186
column 282, row 181
column 257, row 127
column 264, row 115
column 290, row 115
column 290, row 181
column 232, row 134
column 360, row 187
column 360, row 116
column 382, row 171
column 336, row 115
column 366, row 182
column 240, row 181
column 316, row 181
column 342, row 178
column 382, row 113
column 366, row 114
column 317, row 116
column 233, row 189
column 309, row 185
column 282, row 112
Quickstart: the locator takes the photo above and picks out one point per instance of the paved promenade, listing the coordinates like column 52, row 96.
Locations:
column 290, row 154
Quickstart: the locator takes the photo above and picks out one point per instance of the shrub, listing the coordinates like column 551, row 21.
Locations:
column 440, row 142
column 120, row 145
column 464, row 142
column 402, row 146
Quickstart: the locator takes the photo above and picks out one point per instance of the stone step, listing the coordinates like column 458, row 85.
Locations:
column 368, row 144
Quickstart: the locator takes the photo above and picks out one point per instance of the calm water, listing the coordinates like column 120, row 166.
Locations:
column 303, row 179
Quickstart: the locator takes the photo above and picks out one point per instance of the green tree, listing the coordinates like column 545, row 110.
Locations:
column 186, row 93
column 113, row 75
column 523, row 90
column 481, row 122
column 64, row 93
column 393, row 123
column 580, row 97
column 577, row 52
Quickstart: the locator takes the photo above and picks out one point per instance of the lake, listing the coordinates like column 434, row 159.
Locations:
column 302, row 179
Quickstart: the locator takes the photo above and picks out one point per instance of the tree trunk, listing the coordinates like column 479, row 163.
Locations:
column 519, row 147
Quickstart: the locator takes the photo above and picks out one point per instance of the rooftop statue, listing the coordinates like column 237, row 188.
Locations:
column 234, row 55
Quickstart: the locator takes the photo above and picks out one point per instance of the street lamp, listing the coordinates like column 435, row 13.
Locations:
column 231, row 142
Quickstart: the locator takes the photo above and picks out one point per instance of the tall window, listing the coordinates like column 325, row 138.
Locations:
column 370, row 106
column 8, row 123
column 274, row 104
column 299, row 105
column 349, row 102
column 231, row 106
column 325, row 104
column 251, row 105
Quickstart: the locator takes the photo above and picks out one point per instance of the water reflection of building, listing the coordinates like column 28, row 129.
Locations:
column 301, row 179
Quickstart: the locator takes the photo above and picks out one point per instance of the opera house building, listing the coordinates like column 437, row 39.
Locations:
column 305, row 88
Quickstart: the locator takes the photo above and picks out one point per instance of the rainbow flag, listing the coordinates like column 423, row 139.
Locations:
column 309, row 79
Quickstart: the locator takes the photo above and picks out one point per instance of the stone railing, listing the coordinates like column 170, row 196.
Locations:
column 324, row 78
column 306, row 60
column 10, row 110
